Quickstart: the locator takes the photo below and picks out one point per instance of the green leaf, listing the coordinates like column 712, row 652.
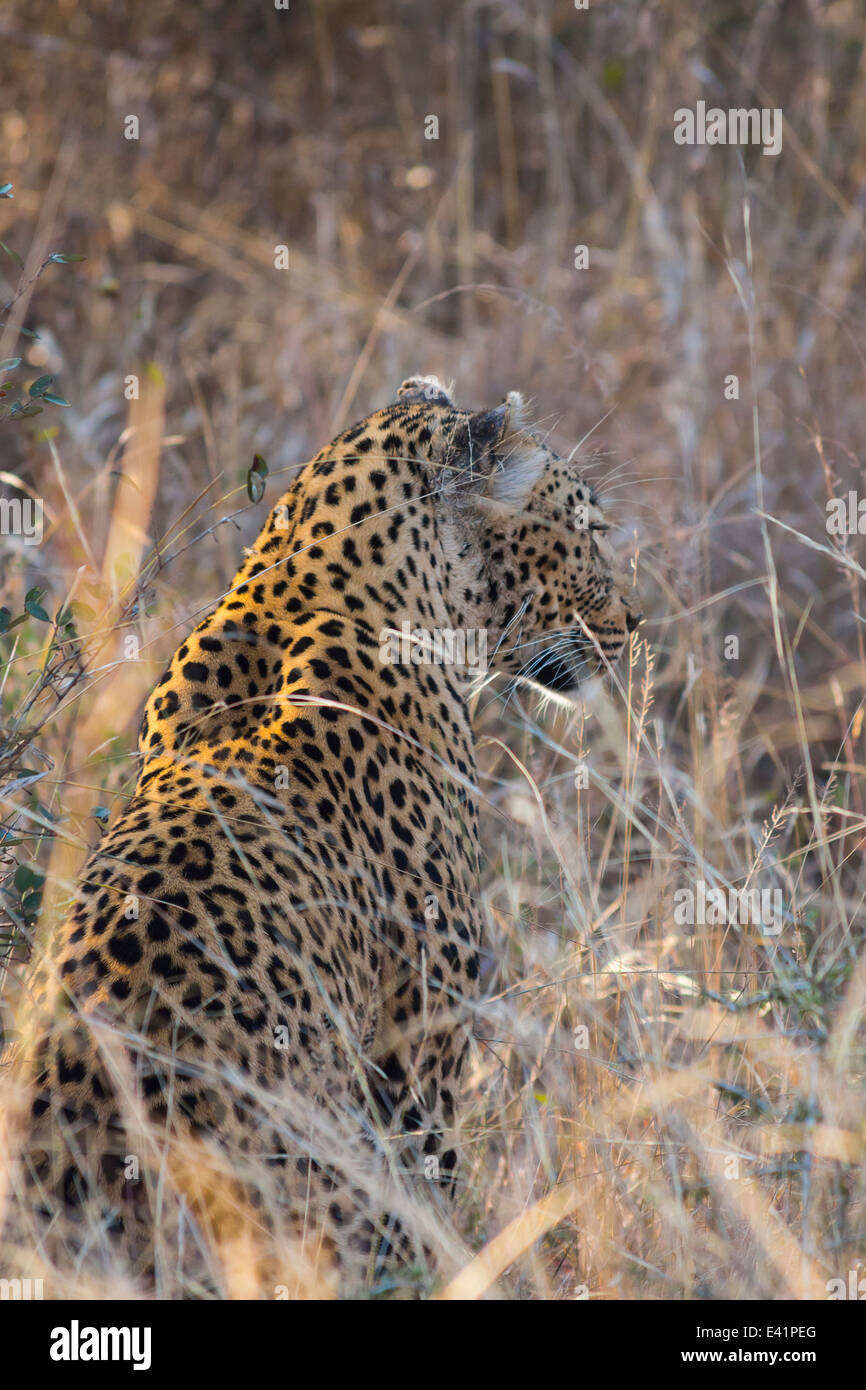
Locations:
column 6, row 625
column 6, row 191
column 101, row 813
column 37, row 611
column 27, row 879
column 256, row 479
column 34, row 595
column 10, row 252
column 8, row 363
column 40, row 385
column 62, row 259
column 65, row 618
column 55, row 400
column 28, row 332
column 21, row 412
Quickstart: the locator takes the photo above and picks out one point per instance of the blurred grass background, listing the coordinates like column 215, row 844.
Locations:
column 708, row 1138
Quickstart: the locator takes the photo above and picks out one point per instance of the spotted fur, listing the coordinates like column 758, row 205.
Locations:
column 284, row 918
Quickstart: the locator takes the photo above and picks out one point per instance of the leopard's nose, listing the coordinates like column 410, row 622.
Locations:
column 633, row 620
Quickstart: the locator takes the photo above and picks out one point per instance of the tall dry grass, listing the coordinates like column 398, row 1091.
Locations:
column 705, row 1136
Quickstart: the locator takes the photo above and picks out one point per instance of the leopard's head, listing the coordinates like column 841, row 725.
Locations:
column 526, row 542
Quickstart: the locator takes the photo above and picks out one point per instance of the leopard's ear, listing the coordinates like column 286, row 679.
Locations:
column 427, row 389
column 501, row 460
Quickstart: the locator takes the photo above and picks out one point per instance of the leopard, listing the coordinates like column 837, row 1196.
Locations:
column 277, row 947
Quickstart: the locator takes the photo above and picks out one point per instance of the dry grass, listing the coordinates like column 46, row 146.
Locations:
column 705, row 1137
